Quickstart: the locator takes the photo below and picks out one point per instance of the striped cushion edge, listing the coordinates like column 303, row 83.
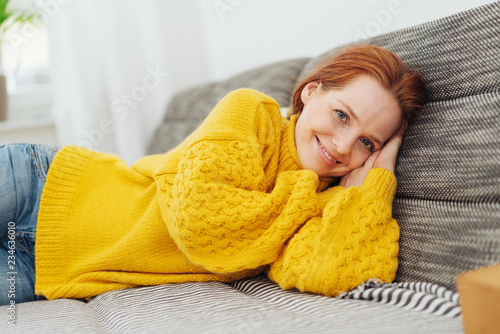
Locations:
column 419, row 296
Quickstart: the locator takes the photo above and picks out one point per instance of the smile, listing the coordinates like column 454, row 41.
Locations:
column 325, row 156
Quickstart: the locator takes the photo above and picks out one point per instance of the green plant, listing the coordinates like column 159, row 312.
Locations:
column 9, row 17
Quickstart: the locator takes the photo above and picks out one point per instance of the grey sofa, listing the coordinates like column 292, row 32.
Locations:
column 447, row 205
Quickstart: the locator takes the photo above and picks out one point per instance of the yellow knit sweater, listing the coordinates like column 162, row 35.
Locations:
column 231, row 201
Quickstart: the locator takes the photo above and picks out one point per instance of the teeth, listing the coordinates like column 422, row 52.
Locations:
column 329, row 157
column 324, row 151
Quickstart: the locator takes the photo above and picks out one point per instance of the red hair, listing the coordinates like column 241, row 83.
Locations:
column 406, row 85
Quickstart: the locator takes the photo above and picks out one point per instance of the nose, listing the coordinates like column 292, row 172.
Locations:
column 344, row 143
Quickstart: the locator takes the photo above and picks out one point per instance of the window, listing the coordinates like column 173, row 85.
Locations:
column 26, row 61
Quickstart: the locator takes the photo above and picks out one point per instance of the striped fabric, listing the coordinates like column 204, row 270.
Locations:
column 254, row 305
column 421, row 296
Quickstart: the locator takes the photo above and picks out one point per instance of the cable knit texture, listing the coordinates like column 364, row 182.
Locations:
column 231, row 201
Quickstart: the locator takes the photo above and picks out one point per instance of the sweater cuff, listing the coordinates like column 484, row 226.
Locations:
column 381, row 182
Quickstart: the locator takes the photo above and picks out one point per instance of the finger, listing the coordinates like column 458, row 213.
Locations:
column 391, row 148
column 397, row 137
column 371, row 159
column 387, row 157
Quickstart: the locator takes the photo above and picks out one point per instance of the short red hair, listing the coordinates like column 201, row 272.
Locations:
column 406, row 85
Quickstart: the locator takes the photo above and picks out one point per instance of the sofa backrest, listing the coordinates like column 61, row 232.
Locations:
column 448, row 170
column 188, row 109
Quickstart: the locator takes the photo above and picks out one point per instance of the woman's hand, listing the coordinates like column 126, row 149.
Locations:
column 388, row 154
column 383, row 158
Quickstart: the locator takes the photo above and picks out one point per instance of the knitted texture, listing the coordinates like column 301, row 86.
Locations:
column 354, row 240
column 228, row 202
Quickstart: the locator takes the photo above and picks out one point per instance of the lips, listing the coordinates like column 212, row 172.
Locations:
column 326, row 155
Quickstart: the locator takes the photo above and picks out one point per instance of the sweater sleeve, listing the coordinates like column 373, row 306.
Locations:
column 356, row 239
column 225, row 205
column 221, row 217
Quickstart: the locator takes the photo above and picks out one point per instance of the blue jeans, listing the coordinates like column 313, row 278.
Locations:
column 23, row 171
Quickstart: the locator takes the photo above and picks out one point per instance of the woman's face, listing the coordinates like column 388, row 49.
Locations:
column 338, row 129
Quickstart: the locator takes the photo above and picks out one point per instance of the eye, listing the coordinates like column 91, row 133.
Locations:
column 368, row 144
column 341, row 115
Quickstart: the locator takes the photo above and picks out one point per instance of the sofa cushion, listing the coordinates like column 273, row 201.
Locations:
column 448, row 170
column 187, row 109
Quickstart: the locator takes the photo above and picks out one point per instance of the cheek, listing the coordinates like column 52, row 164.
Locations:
column 326, row 127
column 357, row 159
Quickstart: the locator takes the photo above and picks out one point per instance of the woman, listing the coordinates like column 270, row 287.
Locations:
column 243, row 194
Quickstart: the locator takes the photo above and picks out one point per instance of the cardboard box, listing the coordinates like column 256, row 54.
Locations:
column 479, row 293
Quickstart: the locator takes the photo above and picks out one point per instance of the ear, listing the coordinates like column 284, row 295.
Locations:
column 308, row 91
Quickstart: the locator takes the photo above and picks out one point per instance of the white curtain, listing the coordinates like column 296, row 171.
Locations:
column 109, row 74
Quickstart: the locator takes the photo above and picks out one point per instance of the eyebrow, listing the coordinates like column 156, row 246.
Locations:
column 353, row 114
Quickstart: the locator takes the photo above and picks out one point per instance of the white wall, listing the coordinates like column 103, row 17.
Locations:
column 183, row 42
column 206, row 40
column 242, row 34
